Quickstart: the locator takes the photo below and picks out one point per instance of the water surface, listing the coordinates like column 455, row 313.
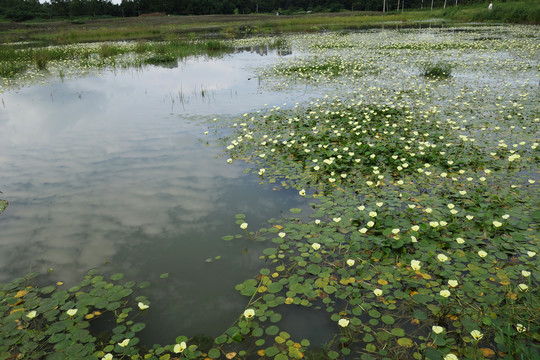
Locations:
column 113, row 171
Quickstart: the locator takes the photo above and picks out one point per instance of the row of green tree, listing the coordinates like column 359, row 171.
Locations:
column 20, row 10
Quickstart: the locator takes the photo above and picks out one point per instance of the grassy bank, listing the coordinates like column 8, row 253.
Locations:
column 167, row 27
column 25, row 46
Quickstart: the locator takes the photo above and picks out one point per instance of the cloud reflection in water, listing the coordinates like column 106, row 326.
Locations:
column 110, row 172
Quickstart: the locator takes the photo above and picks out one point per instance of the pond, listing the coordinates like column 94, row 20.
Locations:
column 126, row 171
column 114, row 171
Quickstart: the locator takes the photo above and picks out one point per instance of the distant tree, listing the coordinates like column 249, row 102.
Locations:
column 60, row 7
column 21, row 10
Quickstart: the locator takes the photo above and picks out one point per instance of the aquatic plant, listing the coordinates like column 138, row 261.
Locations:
column 421, row 241
column 418, row 237
column 439, row 70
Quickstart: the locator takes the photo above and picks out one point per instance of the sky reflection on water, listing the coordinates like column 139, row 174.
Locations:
column 112, row 172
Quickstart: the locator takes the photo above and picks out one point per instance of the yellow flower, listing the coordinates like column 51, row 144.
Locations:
column 437, row 329
column 343, row 322
column 378, row 292
column 482, row 253
column 477, row 335
column 243, row 226
column 107, row 356
column 452, row 283
column 302, row 192
column 372, row 214
column 143, row 306
column 178, row 348
column 32, row 314
column 415, row 264
column 445, row 293
column 523, row 287
column 520, row 328
column 497, row 223
column 415, row 228
column 442, row 257
column 71, row 312
column 350, row 262
column 124, row 343
column 451, row 357
column 249, row 313
column 316, row 246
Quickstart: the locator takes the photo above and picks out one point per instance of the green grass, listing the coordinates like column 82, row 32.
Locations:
column 169, row 51
column 108, row 50
column 438, row 70
column 15, row 60
column 523, row 12
column 520, row 12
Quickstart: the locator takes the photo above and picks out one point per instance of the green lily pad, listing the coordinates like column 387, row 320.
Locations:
column 3, row 205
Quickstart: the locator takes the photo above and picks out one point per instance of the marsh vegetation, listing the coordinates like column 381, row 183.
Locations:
column 420, row 239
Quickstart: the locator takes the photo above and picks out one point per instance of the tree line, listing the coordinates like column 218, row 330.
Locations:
column 20, row 10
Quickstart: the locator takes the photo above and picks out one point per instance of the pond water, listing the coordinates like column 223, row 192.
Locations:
column 113, row 171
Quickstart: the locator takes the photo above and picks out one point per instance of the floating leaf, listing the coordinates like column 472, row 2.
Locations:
column 20, row 294
column 275, row 287
column 117, row 276
column 3, row 205
column 487, row 352
column 272, row 330
column 144, row 284
column 214, row 353
column 271, row 351
column 406, row 342
column 333, row 354
column 138, row 327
